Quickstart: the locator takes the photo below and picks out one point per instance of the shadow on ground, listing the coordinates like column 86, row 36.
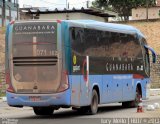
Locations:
column 73, row 113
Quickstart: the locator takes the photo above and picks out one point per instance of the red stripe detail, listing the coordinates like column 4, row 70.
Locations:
column 59, row 21
column 12, row 22
column 138, row 76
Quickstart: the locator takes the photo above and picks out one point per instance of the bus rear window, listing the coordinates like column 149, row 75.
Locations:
column 35, row 39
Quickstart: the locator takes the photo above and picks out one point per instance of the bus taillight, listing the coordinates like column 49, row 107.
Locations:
column 64, row 82
column 8, row 82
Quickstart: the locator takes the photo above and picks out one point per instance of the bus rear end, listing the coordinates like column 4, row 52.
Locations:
column 34, row 65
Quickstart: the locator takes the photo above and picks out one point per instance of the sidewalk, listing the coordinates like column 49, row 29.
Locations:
column 3, row 99
column 155, row 92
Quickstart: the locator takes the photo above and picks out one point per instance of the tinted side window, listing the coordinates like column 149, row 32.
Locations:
column 129, row 47
column 109, row 52
column 77, row 40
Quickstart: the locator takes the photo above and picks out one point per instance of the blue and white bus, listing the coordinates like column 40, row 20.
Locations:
column 75, row 63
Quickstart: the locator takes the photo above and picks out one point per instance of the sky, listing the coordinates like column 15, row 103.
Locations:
column 54, row 3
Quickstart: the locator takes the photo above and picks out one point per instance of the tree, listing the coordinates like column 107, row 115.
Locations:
column 3, row 13
column 122, row 7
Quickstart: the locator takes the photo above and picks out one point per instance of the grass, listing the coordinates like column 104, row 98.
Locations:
column 2, row 94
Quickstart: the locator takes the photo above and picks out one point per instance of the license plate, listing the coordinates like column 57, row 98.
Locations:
column 34, row 98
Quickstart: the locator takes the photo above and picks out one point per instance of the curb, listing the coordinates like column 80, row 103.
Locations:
column 3, row 99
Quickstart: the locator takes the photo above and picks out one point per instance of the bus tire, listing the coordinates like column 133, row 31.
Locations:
column 137, row 98
column 43, row 110
column 82, row 110
column 134, row 103
column 93, row 108
column 126, row 104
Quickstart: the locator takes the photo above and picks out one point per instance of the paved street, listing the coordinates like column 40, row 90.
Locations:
column 60, row 116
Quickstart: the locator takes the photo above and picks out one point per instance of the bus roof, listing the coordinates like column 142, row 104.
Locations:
column 104, row 26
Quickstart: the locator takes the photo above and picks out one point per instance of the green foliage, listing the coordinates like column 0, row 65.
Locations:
column 2, row 94
column 122, row 7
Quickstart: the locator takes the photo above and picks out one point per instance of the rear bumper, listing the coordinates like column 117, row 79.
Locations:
column 58, row 99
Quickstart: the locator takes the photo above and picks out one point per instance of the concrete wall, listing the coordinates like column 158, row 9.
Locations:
column 140, row 13
column 62, row 16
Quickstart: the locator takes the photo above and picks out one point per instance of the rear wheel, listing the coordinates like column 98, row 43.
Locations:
column 135, row 102
column 43, row 110
column 93, row 108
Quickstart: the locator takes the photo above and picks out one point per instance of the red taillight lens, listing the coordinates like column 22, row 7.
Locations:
column 8, row 82
column 64, row 82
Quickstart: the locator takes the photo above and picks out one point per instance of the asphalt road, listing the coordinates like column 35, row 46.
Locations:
column 106, row 114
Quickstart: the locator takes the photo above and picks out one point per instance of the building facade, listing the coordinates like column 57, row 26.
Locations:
column 11, row 11
column 140, row 13
column 70, row 14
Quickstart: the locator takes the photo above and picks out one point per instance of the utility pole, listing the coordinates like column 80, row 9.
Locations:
column 67, row 7
column 147, row 10
column 87, row 4
column 17, row 7
column 3, row 13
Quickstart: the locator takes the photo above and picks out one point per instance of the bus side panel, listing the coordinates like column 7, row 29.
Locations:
column 117, row 88
column 107, row 89
column 128, row 88
column 74, row 80
column 145, row 89
column 85, row 92
column 75, row 90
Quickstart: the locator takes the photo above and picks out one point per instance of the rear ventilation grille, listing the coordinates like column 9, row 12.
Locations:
column 35, row 61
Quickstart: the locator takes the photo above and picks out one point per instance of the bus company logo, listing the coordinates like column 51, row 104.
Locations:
column 25, row 28
column 119, row 67
column 76, row 68
column 74, row 59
